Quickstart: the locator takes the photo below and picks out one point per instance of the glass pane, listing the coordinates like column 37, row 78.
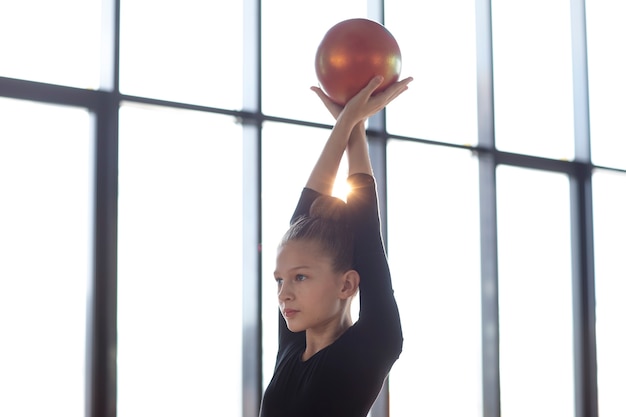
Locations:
column 610, row 246
column 433, row 219
column 532, row 62
column 535, row 290
column 293, row 150
column 289, row 47
column 438, row 45
column 607, row 85
column 46, row 183
column 56, row 42
column 179, row 290
column 188, row 51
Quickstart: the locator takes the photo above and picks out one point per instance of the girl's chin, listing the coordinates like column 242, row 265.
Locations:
column 295, row 329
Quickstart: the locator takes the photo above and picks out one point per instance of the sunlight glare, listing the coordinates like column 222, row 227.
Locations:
column 341, row 189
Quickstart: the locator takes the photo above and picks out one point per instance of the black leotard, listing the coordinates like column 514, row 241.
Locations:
column 344, row 378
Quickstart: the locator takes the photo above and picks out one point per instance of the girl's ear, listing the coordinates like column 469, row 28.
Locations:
column 350, row 284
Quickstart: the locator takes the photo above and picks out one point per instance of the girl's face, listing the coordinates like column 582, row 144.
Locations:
column 309, row 290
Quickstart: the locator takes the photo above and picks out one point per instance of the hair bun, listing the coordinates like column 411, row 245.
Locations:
column 329, row 208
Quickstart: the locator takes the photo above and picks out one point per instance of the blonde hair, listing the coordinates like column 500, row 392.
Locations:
column 327, row 225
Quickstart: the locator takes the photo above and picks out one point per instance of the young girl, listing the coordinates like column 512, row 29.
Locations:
column 327, row 366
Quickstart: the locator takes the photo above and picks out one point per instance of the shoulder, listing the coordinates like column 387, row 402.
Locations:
column 361, row 180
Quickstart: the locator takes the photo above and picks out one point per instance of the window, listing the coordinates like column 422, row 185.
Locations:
column 190, row 53
column 609, row 228
column 607, row 86
column 53, row 42
column 434, row 259
column 535, row 294
column 46, row 173
column 179, row 280
column 532, row 65
column 438, row 45
column 151, row 157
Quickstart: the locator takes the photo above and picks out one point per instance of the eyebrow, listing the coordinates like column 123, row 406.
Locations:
column 295, row 268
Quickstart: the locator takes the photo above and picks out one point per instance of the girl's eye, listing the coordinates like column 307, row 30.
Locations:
column 279, row 281
column 300, row 277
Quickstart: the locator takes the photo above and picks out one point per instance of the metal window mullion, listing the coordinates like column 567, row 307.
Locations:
column 49, row 93
column 583, row 293
column 251, row 273
column 252, row 369
column 378, row 156
column 101, row 382
column 489, row 286
column 377, row 141
column 101, row 346
column 583, row 276
column 488, row 211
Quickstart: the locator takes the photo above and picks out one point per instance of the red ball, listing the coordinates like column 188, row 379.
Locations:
column 352, row 53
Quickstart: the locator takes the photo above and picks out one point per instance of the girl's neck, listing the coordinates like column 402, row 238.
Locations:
column 319, row 338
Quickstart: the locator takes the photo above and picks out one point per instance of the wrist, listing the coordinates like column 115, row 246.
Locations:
column 359, row 128
column 348, row 119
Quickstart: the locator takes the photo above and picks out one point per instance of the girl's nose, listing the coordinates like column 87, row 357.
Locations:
column 285, row 293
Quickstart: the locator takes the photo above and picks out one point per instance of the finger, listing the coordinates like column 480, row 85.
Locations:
column 400, row 86
column 366, row 92
column 316, row 90
column 396, row 89
column 397, row 93
column 399, row 89
column 374, row 83
column 320, row 94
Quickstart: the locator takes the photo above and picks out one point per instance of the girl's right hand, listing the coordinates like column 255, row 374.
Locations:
column 364, row 104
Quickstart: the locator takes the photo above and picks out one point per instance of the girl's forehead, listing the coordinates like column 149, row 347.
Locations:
column 301, row 252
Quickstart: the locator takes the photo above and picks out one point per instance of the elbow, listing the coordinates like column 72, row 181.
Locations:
column 398, row 344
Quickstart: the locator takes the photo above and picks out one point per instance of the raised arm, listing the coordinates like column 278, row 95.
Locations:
column 322, row 177
column 358, row 152
column 349, row 132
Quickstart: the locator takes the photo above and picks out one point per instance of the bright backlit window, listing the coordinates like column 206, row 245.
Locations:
column 179, row 284
column 610, row 247
column 607, row 84
column 55, row 42
column 46, row 174
column 438, row 44
column 190, row 51
column 434, row 260
column 532, row 67
column 535, row 293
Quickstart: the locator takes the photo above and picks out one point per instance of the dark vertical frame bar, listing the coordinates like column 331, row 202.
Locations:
column 583, row 292
column 583, row 276
column 488, row 211
column 252, row 370
column 377, row 139
column 489, row 286
column 101, row 381
column 378, row 154
column 251, row 274
column 101, row 398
